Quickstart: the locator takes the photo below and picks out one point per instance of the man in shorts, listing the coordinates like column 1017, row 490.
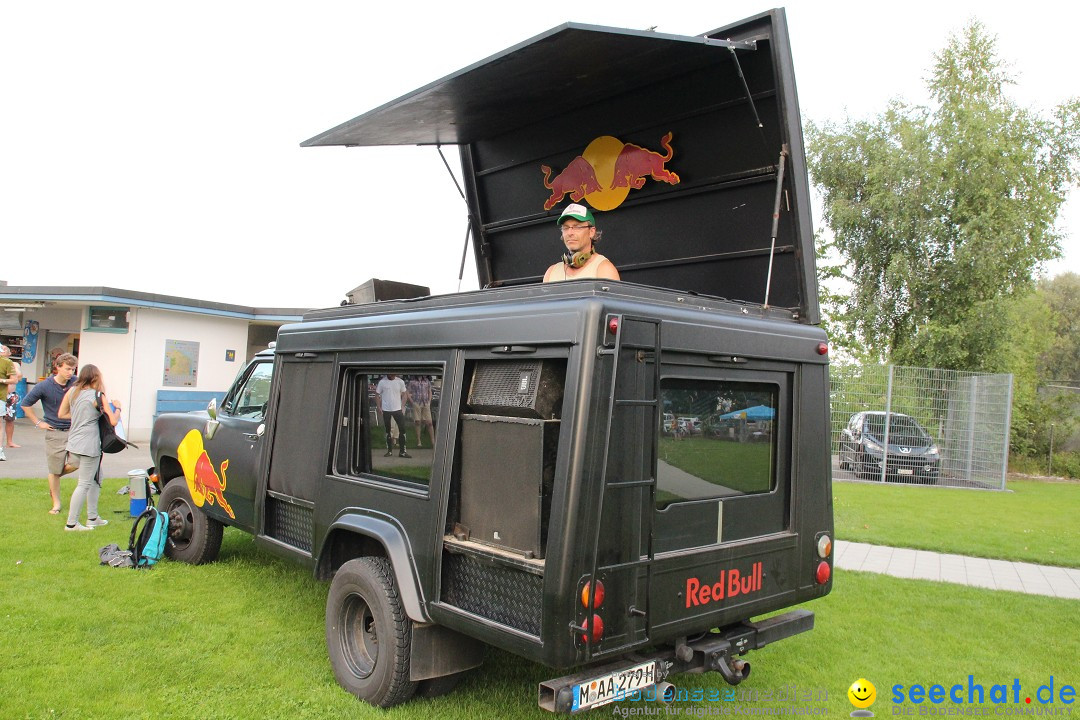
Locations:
column 420, row 402
column 50, row 392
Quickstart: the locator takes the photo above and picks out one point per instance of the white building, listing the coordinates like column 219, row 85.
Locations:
column 142, row 342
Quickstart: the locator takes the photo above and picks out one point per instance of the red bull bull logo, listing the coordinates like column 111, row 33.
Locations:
column 203, row 481
column 607, row 170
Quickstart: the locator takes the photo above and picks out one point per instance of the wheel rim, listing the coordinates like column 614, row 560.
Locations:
column 359, row 636
column 181, row 521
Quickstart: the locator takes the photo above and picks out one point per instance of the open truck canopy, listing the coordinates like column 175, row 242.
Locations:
column 688, row 148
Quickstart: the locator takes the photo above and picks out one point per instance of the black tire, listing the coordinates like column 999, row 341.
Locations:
column 194, row 538
column 437, row 687
column 368, row 635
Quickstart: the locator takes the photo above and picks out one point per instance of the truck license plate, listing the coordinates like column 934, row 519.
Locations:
column 905, row 471
column 616, row 686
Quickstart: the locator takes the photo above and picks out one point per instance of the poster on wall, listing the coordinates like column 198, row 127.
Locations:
column 181, row 363
column 30, row 338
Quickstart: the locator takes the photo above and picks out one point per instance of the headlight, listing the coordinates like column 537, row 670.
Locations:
column 933, row 452
column 871, row 446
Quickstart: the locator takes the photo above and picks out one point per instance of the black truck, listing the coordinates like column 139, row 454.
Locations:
column 624, row 473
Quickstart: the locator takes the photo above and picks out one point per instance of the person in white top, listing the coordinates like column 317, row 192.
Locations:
column 581, row 261
column 392, row 396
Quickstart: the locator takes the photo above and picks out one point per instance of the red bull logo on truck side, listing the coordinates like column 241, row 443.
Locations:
column 731, row 583
column 203, row 481
column 604, row 174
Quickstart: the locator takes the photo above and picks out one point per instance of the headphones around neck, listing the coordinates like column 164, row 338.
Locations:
column 577, row 259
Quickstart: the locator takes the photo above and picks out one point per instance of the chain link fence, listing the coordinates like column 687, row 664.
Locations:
column 920, row 425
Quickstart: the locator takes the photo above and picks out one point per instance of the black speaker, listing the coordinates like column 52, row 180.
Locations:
column 518, row 388
column 507, row 475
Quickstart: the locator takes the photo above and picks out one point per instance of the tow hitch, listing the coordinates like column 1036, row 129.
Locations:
column 637, row 674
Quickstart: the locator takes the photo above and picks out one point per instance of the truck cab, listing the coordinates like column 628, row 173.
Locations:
column 624, row 474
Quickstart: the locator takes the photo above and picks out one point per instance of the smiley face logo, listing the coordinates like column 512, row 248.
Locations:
column 862, row 693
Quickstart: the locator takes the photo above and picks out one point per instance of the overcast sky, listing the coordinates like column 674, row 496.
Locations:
column 153, row 145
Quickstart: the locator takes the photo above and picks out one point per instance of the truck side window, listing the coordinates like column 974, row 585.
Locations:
column 370, row 441
column 717, row 439
column 249, row 399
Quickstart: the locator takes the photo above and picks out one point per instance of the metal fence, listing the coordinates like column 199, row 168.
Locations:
column 959, row 437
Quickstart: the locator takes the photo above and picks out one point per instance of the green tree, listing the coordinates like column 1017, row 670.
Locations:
column 941, row 214
column 1044, row 357
column 1061, row 362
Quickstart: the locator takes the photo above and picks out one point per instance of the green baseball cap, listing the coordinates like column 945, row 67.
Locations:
column 578, row 212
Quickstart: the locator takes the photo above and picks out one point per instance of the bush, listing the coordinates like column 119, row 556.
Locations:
column 1065, row 464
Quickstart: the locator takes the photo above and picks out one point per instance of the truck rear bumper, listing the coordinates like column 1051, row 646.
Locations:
column 639, row 672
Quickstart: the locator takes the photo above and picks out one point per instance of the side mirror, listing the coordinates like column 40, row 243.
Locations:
column 212, row 424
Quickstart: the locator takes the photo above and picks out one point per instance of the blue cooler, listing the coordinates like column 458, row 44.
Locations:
column 137, row 480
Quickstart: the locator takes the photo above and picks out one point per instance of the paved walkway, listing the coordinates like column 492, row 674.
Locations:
column 28, row 461
column 979, row 572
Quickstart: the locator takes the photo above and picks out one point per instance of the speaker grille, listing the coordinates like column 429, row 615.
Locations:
column 531, row 388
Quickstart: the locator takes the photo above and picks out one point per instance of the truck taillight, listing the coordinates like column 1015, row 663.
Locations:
column 824, row 546
column 823, row 573
column 585, row 599
column 594, row 627
column 823, row 348
column 613, row 324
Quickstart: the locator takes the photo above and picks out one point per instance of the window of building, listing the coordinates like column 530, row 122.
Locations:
column 107, row 319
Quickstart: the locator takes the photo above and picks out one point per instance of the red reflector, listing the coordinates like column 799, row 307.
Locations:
column 599, row 595
column 823, row 348
column 613, row 325
column 595, row 628
column 823, row 573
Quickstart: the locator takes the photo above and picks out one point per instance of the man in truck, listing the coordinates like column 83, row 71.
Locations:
column 580, row 261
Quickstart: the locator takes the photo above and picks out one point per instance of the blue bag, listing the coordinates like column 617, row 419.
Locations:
column 147, row 544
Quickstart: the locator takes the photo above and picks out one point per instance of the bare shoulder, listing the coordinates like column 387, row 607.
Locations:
column 607, row 270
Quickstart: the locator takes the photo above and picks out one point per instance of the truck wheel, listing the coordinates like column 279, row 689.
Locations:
column 194, row 538
column 368, row 635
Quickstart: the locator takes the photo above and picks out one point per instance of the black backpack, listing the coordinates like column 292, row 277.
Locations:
column 110, row 441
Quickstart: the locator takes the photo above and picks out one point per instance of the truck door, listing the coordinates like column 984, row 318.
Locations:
column 228, row 471
column 621, row 552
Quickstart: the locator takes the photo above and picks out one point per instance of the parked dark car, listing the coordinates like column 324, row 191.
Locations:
column 910, row 454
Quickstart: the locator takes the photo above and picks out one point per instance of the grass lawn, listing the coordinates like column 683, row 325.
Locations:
column 1036, row 522
column 243, row 637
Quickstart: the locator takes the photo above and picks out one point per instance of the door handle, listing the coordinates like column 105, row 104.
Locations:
column 257, row 434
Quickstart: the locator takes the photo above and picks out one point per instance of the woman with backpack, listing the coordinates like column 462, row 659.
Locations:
column 84, row 404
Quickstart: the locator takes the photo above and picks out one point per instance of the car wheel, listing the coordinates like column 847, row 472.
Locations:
column 194, row 538
column 844, row 464
column 368, row 635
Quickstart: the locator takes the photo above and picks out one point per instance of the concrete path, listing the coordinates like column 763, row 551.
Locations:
column 979, row 572
column 28, row 461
